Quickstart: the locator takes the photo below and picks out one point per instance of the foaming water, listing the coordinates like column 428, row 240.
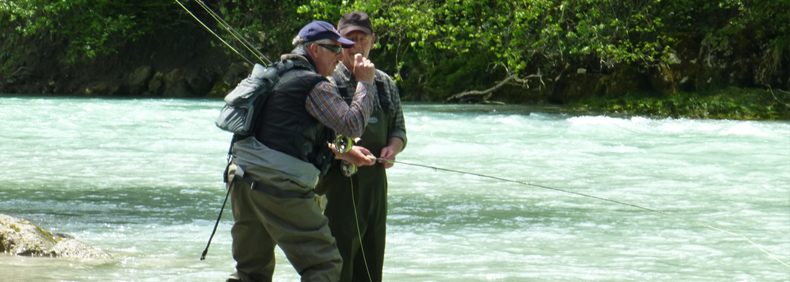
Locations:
column 142, row 180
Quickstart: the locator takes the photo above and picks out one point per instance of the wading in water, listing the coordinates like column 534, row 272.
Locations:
column 357, row 204
column 273, row 172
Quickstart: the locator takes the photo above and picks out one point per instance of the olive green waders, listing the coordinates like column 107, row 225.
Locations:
column 368, row 187
column 263, row 221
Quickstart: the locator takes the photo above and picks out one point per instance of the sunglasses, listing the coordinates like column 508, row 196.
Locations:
column 332, row 48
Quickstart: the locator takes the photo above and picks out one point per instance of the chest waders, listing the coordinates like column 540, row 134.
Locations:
column 357, row 205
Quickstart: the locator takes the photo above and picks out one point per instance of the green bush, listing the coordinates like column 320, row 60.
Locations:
column 439, row 48
column 91, row 27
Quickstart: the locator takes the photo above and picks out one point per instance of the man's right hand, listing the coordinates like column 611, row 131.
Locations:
column 358, row 156
column 364, row 69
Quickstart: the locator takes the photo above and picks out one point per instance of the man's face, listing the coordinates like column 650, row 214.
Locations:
column 324, row 56
column 364, row 43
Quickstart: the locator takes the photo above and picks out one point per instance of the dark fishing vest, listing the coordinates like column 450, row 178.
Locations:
column 284, row 123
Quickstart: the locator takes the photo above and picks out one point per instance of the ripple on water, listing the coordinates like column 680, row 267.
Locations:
column 143, row 180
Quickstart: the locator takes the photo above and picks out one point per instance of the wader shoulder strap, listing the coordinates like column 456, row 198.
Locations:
column 342, row 88
column 384, row 95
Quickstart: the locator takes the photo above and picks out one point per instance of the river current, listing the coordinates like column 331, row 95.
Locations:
column 601, row 198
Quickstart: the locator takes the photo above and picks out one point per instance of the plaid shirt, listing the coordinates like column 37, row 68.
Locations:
column 398, row 123
column 325, row 104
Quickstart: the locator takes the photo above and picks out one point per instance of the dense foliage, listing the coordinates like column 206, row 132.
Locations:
column 529, row 36
column 91, row 27
column 438, row 48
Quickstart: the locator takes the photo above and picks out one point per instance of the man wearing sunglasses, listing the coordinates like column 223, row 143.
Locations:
column 357, row 205
column 273, row 172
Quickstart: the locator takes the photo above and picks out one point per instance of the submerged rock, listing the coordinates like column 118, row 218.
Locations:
column 23, row 238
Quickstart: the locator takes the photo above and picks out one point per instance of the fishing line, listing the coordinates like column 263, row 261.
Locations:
column 598, row 198
column 216, row 17
column 235, row 34
column 359, row 233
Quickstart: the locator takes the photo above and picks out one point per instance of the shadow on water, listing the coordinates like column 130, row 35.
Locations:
column 85, row 207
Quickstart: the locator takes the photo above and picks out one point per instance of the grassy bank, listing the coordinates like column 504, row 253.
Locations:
column 730, row 103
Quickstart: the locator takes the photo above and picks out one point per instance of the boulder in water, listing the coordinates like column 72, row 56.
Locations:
column 23, row 238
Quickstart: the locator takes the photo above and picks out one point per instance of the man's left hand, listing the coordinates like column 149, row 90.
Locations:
column 391, row 151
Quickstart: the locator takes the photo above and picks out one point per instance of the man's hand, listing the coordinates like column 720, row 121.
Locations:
column 364, row 69
column 388, row 153
column 358, row 156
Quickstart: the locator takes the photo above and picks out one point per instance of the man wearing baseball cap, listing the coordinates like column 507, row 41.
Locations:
column 273, row 172
column 359, row 205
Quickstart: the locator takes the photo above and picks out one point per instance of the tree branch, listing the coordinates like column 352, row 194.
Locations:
column 484, row 95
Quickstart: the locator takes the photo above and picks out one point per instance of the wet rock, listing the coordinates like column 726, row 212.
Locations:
column 139, row 79
column 176, row 85
column 23, row 238
column 173, row 77
column 234, row 74
column 180, row 89
column 75, row 249
column 200, row 82
column 156, row 85
column 20, row 237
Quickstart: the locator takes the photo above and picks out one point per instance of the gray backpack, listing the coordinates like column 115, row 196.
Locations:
column 239, row 112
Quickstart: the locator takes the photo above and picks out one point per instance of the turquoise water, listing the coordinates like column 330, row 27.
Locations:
column 142, row 179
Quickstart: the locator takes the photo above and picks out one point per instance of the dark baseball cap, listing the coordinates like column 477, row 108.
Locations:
column 318, row 30
column 355, row 21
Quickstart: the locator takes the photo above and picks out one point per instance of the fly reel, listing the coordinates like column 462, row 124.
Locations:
column 343, row 144
column 348, row 168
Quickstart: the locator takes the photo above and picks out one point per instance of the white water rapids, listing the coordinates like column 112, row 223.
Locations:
column 142, row 179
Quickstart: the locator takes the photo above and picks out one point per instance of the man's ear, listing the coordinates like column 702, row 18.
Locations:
column 312, row 50
column 372, row 41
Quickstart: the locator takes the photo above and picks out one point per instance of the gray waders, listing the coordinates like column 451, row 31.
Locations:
column 263, row 221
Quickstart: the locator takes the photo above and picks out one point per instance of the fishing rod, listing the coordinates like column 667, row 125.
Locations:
column 597, row 198
column 235, row 34
column 262, row 58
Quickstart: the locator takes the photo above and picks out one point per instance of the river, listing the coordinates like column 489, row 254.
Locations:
column 601, row 198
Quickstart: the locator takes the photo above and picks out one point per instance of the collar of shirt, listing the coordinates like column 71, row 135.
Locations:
column 346, row 74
